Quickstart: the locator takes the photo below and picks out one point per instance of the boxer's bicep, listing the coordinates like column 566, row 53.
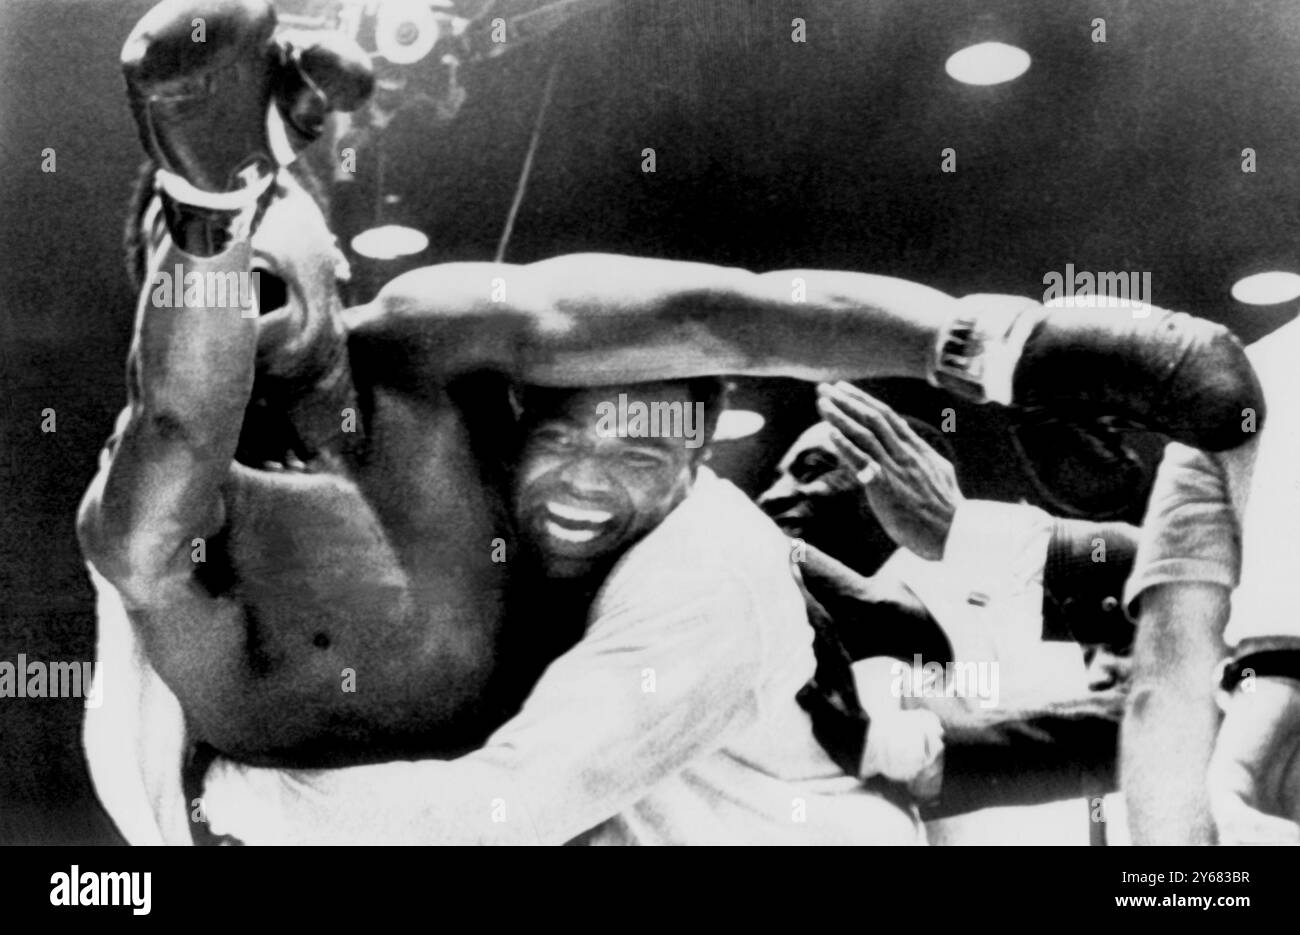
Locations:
column 585, row 319
column 1172, row 718
column 139, row 519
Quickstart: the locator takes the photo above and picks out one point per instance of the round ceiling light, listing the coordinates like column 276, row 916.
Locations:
column 1269, row 288
column 389, row 242
column 988, row 63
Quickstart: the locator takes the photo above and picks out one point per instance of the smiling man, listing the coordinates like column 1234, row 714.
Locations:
column 589, row 486
column 672, row 720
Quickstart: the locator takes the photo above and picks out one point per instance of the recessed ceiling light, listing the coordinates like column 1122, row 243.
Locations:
column 738, row 423
column 1268, row 288
column 389, row 242
column 988, row 63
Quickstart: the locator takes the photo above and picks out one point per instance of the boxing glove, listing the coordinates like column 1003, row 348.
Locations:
column 221, row 103
column 199, row 76
column 1167, row 372
column 319, row 72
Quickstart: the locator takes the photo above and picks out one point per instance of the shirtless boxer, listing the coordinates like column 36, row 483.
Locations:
column 377, row 557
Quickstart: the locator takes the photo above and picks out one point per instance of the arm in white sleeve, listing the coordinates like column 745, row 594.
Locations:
column 1004, row 544
column 999, row 551
column 1080, row 565
column 661, row 678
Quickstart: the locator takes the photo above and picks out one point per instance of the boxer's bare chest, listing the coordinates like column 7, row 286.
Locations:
column 372, row 591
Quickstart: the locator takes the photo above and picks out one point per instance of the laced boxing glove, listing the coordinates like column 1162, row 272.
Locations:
column 199, row 76
column 319, row 72
column 1167, row 371
column 221, row 103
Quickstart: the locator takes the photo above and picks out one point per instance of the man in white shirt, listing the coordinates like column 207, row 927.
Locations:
column 672, row 720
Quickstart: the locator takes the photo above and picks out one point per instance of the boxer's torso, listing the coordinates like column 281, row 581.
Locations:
column 367, row 594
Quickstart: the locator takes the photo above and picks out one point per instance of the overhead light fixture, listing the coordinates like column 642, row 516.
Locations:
column 1271, row 288
column 987, row 63
column 389, row 242
column 735, row 424
column 405, row 30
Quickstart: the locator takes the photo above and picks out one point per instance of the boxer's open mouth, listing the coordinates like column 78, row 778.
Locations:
column 272, row 291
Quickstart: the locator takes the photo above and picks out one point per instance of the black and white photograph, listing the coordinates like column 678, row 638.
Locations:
column 651, row 422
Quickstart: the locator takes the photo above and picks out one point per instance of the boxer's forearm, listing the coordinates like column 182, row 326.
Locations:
column 193, row 365
column 191, row 371
column 812, row 325
column 1172, row 718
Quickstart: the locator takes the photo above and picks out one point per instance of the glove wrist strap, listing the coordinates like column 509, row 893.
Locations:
column 242, row 199
column 977, row 351
column 206, row 224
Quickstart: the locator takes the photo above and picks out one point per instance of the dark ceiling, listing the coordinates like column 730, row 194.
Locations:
column 1123, row 156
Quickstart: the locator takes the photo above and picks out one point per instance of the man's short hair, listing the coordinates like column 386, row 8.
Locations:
column 540, row 402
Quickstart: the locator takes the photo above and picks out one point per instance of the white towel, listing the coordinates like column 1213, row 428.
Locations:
column 135, row 739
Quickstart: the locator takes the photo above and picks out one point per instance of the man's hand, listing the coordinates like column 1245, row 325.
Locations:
column 910, row 487
column 1253, row 778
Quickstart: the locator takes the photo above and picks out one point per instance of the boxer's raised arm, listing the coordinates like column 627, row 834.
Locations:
column 217, row 116
column 189, row 376
column 589, row 319
column 585, row 319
